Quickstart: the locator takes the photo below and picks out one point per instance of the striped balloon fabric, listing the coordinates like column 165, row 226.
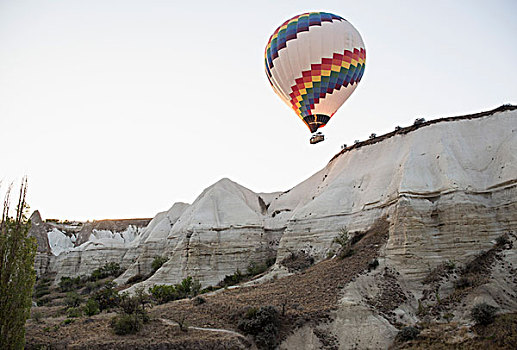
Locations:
column 314, row 62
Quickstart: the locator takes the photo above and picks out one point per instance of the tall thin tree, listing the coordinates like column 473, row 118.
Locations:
column 17, row 274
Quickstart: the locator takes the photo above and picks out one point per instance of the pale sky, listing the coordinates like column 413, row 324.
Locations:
column 118, row 109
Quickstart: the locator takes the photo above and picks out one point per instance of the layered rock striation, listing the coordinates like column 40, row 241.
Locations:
column 220, row 233
column 447, row 189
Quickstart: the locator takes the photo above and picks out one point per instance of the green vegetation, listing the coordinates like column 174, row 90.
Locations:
column 252, row 270
column 163, row 293
column 199, row 300
column 463, row 282
column 91, row 307
column 68, row 284
column 73, row 299
column 483, row 314
column 136, row 278
column 67, row 321
column 297, row 261
column 230, row 280
column 345, row 244
column 263, row 325
column 131, row 313
column 502, row 240
column 157, row 263
column 107, row 297
column 17, row 275
column 37, row 316
column 373, row 264
column 111, row 269
column 408, row 333
column 126, row 324
column 92, row 282
column 41, row 288
column 74, row 312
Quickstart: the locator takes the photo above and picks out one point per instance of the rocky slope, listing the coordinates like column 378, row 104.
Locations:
column 39, row 231
column 222, row 231
column 447, row 190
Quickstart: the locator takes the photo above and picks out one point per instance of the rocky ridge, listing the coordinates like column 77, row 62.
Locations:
column 447, row 190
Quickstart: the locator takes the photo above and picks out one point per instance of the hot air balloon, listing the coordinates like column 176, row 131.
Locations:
column 314, row 62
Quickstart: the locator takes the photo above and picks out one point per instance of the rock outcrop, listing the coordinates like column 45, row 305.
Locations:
column 118, row 225
column 447, row 188
column 449, row 191
column 222, row 231
column 39, row 230
column 102, row 247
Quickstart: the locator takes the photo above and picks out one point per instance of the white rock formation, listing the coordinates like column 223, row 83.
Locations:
column 222, row 231
column 103, row 246
column 447, row 188
column 59, row 242
column 151, row 243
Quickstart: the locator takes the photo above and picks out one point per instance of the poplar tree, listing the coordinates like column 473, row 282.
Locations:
column 17, row 274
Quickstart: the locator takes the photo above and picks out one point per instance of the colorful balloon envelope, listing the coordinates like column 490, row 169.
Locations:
column 314, row 62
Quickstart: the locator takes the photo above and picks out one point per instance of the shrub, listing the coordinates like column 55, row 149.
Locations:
column 463, row 282
column 483, row 313
column 198, row 301
column 408, row 333
column 343, row 240
column 43, row 301
column 67, row 321
column 109, row 269
column 135, row 304
column 107, row 297
column 372, row 265
column 41, row 291
column 254, row 268
column 73, row 299
column 136, row 278
column 74, row 312
column 262, row 324
column 448, row 317
column 132, row 313
column 158, row 262
column 163, row 293
column 181, row 320
column 450, row 265
column 184, row 287
column 37, row 316
column 126, row 324
column 195, row 288
column 67, row 284
column 230, row 280
column 502, row 240
column 91, row 307
column 297, row 261
column 42, row 287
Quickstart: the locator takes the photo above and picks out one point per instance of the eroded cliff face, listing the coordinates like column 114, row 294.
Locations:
column 465, row 165
column 222, row 231
column 448, row 190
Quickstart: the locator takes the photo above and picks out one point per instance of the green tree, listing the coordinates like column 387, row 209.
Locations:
column 17, row 275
